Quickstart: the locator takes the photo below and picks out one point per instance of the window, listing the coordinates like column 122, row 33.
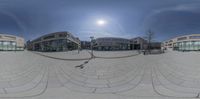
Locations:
column 11, row 37
column 62, row 35
column 49, row 37
column 171, row 41
column 182, row 38
column 5, row 43
column 194, row 37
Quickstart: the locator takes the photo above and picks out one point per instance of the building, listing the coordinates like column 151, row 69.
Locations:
column 183, row 43
column 112, row 43
column 155, row 45
column 58, row 41
column 85, row 45
column 138, row 43
column 11, row 43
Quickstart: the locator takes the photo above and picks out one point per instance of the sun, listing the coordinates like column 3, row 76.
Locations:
column 101, row 22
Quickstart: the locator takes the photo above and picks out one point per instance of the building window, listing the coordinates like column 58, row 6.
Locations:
column 62, row 35
column 11, row 37
column 182, row 38
column 194, row 37
column 49, row 37
column 5, row 43
column 135, row 42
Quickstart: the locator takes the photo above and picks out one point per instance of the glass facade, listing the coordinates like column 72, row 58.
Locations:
column 181, row 38
column 56, row 45
column 188, row 45
column 194, row 37
column 7, row 45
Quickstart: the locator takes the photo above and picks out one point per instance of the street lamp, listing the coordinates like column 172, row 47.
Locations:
column 92, row 41
column 66, row 45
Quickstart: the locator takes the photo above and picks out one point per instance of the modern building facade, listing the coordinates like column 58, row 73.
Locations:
column 58, row 41
column 138, row 43
column 155, row 45
column 11, row 43
column 85, row 44
column 112, row 43
column 183, row 43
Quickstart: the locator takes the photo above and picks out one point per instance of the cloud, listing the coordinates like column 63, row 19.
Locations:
column 184, row 7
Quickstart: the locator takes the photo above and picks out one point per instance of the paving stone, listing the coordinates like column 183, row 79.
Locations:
column 79, row 88
column 27, row 86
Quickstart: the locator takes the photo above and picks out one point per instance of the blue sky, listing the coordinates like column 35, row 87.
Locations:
column 125, row 18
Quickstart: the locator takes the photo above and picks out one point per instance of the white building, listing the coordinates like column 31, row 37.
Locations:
column 183, row 43
column 11, row 42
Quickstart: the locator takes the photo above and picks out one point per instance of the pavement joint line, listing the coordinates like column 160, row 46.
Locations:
column 108, row 85
column 26, row 72
column 92, row 57
column 28, row 96
column 131, row 88
column 81, row 59
column 139, row 82
column 15, row 80
column 117, row 57
column 154, row 87
column 71, row 77
column 173, row 82
column 62, row 75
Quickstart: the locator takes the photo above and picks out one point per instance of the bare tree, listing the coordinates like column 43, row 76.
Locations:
column 149, row 37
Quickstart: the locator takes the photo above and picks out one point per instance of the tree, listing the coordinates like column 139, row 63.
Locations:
column 149, row 37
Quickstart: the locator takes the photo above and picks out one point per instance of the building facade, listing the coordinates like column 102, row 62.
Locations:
column 155, row 45
column 11, row 43
column 85, row 45
column 183, row 43
column 112, row 43
column 138, row 43
column 58, row 41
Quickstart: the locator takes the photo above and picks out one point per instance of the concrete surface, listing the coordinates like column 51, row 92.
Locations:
column 31, row 75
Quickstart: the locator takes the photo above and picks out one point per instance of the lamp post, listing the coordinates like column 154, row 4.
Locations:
column 92, row 41
column 66, row 42
column 15, row 46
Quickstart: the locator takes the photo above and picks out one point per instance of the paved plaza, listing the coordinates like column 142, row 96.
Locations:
column 107, row 75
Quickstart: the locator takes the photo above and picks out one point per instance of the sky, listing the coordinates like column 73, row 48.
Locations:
column 124, row 18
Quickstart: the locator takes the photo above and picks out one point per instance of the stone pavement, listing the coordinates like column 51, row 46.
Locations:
column 32, row 76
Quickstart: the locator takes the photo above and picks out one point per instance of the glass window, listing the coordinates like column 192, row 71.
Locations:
column 195, row 44
column 1, row 45
column 194, row 37
column 198, row 43
column 182, row 38
column 49, row 37
column 13, row 43
column 187, row 47
column 5, row 43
